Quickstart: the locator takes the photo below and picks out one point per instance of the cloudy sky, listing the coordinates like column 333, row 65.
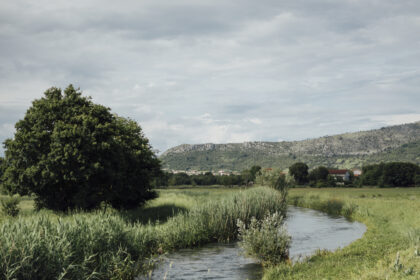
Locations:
column 218, row 71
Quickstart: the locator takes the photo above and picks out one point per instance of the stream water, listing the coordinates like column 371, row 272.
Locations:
column 310, row 230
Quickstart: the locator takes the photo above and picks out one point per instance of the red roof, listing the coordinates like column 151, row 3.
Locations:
column 337, row 171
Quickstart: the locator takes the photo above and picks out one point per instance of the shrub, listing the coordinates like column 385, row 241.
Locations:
column 9, row 205
column 297, row 200
column 267, row 239
column 349, row 209
column 333, row 206
column 322, row 184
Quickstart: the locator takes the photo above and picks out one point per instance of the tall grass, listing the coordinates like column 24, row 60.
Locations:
column 332, row 206
column 392, row 220
column 108, row 246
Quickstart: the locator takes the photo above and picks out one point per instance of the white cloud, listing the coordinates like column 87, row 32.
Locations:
column 397, row 119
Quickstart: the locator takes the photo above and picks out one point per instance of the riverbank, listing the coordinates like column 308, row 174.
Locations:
column 393, row 221
column 111, row 244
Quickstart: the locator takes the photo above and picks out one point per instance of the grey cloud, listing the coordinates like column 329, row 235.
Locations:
column 299, row 69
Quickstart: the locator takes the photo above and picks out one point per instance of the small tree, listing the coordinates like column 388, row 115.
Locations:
column 72, row 153
column 268, row 177
column 299, row 171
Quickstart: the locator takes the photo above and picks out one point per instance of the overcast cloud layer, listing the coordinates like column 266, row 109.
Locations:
column 218, row 71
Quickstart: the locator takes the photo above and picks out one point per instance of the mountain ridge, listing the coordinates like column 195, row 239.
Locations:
column 360, row 145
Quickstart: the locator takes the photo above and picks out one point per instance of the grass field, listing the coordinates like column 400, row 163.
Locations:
column 393, row 221
column 118, row 245
column 175, row 220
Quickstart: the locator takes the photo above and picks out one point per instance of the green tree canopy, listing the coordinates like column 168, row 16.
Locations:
column 391, row 174
column 72, row 153
column 318, row 174
column 299, row 171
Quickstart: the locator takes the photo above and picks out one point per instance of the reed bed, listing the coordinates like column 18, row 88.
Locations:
column 107, row 245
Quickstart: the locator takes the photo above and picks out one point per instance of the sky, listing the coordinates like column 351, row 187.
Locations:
column 218, row 71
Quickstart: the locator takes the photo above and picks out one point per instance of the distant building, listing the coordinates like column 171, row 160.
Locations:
column 223, row 172
column 340, row 173
column 357, row 172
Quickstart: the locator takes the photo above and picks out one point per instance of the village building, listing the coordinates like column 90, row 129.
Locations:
column 344, row 174
column 357, row 172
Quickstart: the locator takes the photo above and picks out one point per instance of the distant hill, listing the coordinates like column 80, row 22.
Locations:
column 393, row 143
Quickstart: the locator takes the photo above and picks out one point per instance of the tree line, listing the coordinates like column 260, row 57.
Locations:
column 390, row 174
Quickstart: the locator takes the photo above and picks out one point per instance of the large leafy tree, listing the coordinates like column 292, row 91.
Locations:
column 72, row 153
column 299, row 171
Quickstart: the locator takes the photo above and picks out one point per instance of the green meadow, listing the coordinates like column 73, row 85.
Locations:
column 109, row 244
column 388, row 250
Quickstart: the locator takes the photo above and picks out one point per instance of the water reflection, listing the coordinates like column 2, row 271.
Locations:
column 310, row 230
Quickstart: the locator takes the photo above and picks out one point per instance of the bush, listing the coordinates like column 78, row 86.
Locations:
column 267, row 239
column 9, row 205
column 268, row 177
column 321, row 184
column 333, row 206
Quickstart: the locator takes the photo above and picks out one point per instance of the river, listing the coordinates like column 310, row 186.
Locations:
column 310, row 230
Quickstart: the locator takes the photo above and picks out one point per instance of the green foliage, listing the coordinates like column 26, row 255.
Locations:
column 299, row 171
column 98, row 245
column 281, row 184
column 318, row 174
column 249, row 175
column 72, row 153
column 179, row 179
column 10, row 205
column 265, row 239
column 268, row 177
column 391, row 174
column 331, row 181
column 399, row 174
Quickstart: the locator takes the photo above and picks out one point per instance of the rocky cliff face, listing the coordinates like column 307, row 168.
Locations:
column 358, row 144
